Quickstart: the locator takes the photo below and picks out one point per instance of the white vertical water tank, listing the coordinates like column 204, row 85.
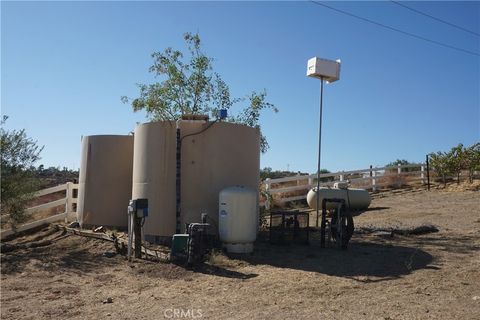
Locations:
column 238, row 218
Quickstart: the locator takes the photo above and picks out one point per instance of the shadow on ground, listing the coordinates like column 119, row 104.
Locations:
column 223, row 272
column 366, row 261
column 459, row 244
column 369, row 258
column 376, row 208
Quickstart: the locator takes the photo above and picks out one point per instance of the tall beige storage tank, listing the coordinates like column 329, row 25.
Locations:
column 105, row 182
column 154, row 175
column 223, row 155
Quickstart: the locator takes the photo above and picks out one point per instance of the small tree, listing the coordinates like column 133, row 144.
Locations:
column 455, row 160
column 265, row 173
column 472, row 160
column 192, row 87
column 402, row 162
column 439, row 163
column 18, row 155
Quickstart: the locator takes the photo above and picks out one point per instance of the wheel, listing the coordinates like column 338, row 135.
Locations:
column 346, row 232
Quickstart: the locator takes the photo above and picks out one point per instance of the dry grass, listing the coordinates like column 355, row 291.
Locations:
column 432, row 276
column 463, row 186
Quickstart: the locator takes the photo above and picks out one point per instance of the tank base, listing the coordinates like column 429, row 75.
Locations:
column 239, row 247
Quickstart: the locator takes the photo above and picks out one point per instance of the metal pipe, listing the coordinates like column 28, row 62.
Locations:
column 130, row 235
column 142, row 237
column 138, row 236
column 319, row 149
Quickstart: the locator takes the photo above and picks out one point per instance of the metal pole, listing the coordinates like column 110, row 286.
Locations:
column 319, row 148
column 137, row 231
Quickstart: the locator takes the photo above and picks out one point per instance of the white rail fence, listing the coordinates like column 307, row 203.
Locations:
column 68, row 201
column 278, row 190
column 373, row 178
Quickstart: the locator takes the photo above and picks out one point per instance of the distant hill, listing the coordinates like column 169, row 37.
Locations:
column 267, row 172
column 53, row 176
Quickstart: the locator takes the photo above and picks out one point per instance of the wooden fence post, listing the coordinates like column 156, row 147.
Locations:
column 68, row 201
column 422, row 174
column 399, row 175
column 428, row 173
column 267, row 192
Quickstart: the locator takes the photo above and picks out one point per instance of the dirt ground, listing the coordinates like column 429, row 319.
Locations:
column 431, row 276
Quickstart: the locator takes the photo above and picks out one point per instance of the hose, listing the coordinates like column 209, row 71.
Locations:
column 178, row 180
column 201, row 131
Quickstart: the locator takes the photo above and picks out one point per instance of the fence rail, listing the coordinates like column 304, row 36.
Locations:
column 370, row 178
column 68, row 215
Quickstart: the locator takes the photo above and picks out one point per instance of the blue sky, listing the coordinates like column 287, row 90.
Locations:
column 65, row 65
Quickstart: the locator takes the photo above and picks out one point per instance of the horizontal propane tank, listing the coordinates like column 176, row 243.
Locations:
column 355, row 199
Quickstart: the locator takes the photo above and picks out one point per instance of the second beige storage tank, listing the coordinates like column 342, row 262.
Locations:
column 105, row 180
column 223, row 155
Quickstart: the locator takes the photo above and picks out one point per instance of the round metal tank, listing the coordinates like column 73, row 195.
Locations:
column 355, row 199
column 223, row 155
column 105, row 180
column 238, row 218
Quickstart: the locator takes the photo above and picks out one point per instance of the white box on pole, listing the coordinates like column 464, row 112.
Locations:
column 319, row 68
